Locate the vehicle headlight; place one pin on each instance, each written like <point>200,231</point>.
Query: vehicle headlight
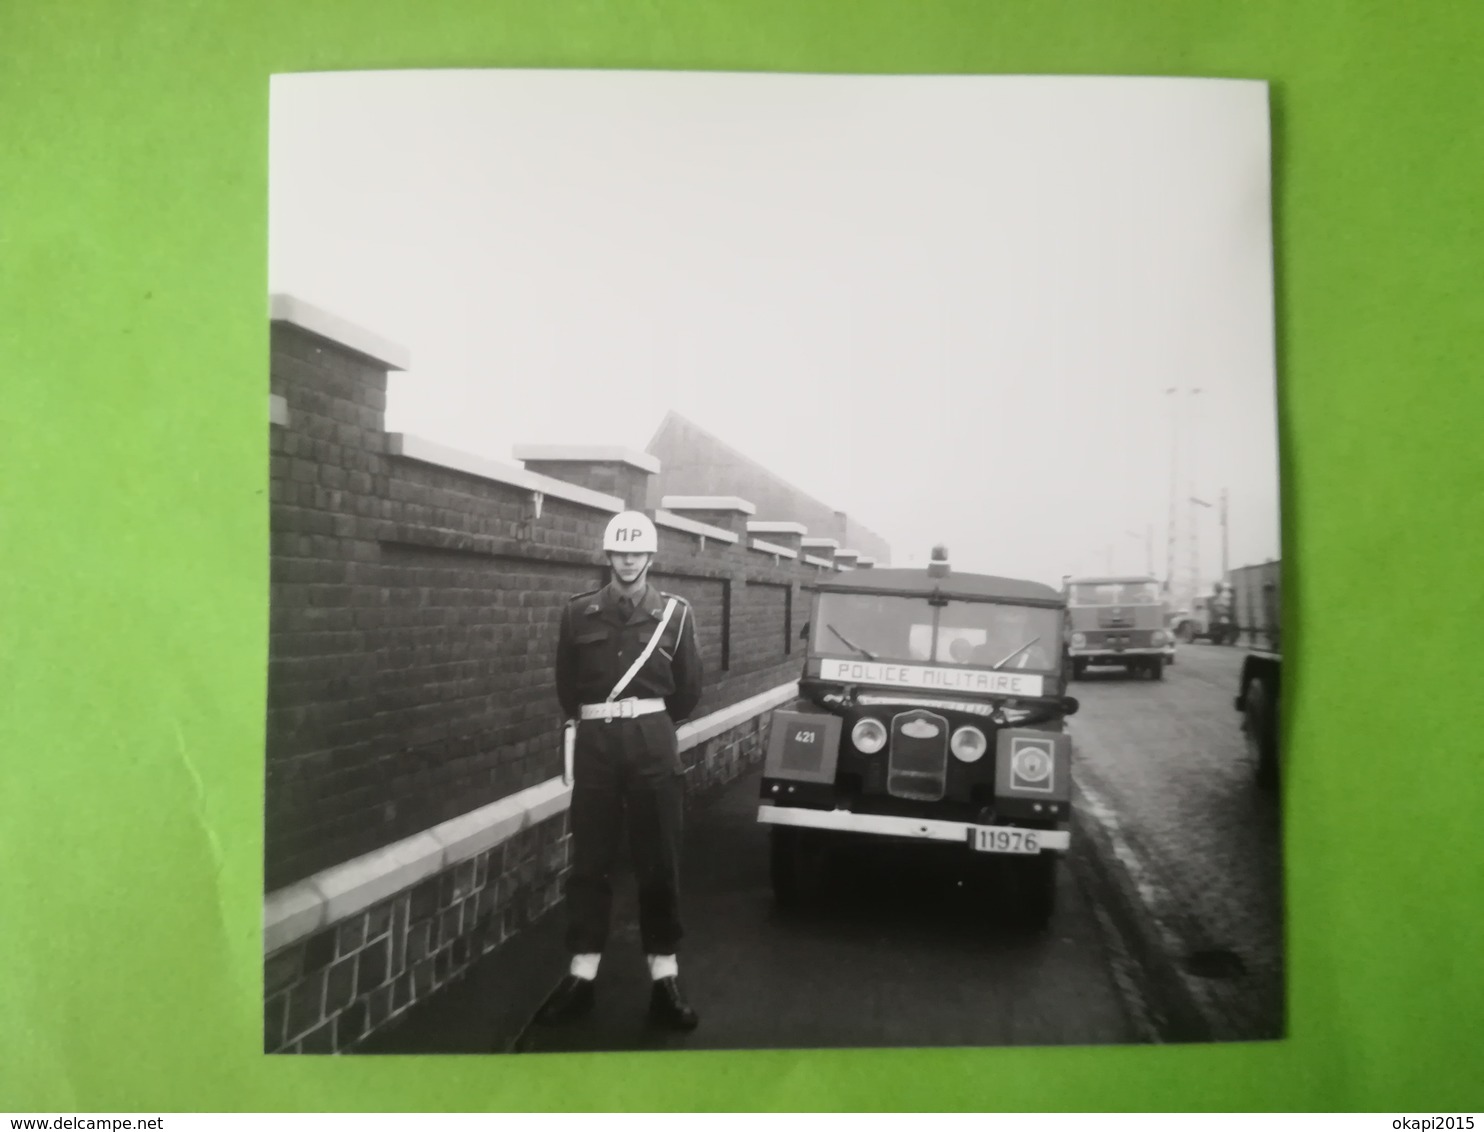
<point>868,735</point>
<point>1031,764</point>
<point>1079,640</point>
<point>1160,636</point>
<point>968,744</point>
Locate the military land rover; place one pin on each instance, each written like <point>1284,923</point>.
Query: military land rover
<point>932,708</point>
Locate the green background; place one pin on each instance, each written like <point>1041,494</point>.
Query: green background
<point>133,541</point>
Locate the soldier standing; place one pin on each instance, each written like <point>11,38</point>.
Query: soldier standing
<point>627,670</point>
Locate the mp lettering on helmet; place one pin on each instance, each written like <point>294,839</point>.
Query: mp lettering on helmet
<point>631,532</point>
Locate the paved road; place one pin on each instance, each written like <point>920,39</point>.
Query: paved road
<point>1163,767</point>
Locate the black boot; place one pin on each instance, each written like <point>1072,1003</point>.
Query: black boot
<point>667,1006</point>
<point>571,1000</point>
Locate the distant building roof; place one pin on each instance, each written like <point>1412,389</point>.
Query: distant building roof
<point>695,462</point>
<point>673,420</point>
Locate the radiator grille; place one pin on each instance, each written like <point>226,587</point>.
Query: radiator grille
<point>918,764</point>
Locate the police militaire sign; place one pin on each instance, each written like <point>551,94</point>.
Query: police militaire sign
<point>940,679</point>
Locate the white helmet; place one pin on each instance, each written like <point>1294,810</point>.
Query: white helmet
<point>631,532</point>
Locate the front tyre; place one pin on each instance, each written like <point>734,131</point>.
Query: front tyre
<point>795,864</point>
<point>1035,889</point>
<point>1157,668</point>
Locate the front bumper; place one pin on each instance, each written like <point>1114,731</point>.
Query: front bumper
<point>884,825</point>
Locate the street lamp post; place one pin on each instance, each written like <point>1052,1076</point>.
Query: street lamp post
<point>1195,545</point>
<point>1181,594</point>
<point>1225,565</point>
<point>1172,528</point>
<point>1191,478</point>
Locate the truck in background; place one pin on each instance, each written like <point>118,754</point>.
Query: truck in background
<point>1257,616</point>
<point>1118,621</point>
<point>1209,619</point>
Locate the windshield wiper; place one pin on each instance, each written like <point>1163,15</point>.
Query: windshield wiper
<point>867,653</point>
<point>1014,654</point>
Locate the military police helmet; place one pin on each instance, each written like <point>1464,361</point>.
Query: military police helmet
<point>631,532</point>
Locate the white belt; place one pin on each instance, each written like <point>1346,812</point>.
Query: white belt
<point>622,709</point>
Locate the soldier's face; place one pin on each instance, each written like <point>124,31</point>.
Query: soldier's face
<point>629,568</point>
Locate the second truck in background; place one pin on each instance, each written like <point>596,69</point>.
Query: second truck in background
<point>1256,613</point>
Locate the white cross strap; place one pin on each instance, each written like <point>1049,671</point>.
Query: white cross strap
<point>646,654</point>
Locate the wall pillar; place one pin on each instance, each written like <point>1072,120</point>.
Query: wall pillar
<point>613,471</point>
<point>725,511</point>
<point>780,533</point>
<point>821,548</point>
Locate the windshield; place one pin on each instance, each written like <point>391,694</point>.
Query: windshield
<point>1115,593</point>
<point>981,634</point>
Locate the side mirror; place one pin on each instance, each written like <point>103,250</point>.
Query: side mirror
<point>1069,705</point>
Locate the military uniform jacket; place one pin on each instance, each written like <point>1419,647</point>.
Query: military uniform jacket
<point>597,644</point>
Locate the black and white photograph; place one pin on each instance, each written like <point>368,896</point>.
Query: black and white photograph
<point>770,561</point>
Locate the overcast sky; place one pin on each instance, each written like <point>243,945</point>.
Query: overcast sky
<point>950,306</point>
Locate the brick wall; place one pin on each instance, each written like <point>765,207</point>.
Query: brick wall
<point>331,991</point>
<point>711,765</point>
<point>326,616</point>
<point>763,637</point>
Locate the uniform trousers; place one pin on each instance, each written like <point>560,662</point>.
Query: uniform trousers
<point>625,772</point>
